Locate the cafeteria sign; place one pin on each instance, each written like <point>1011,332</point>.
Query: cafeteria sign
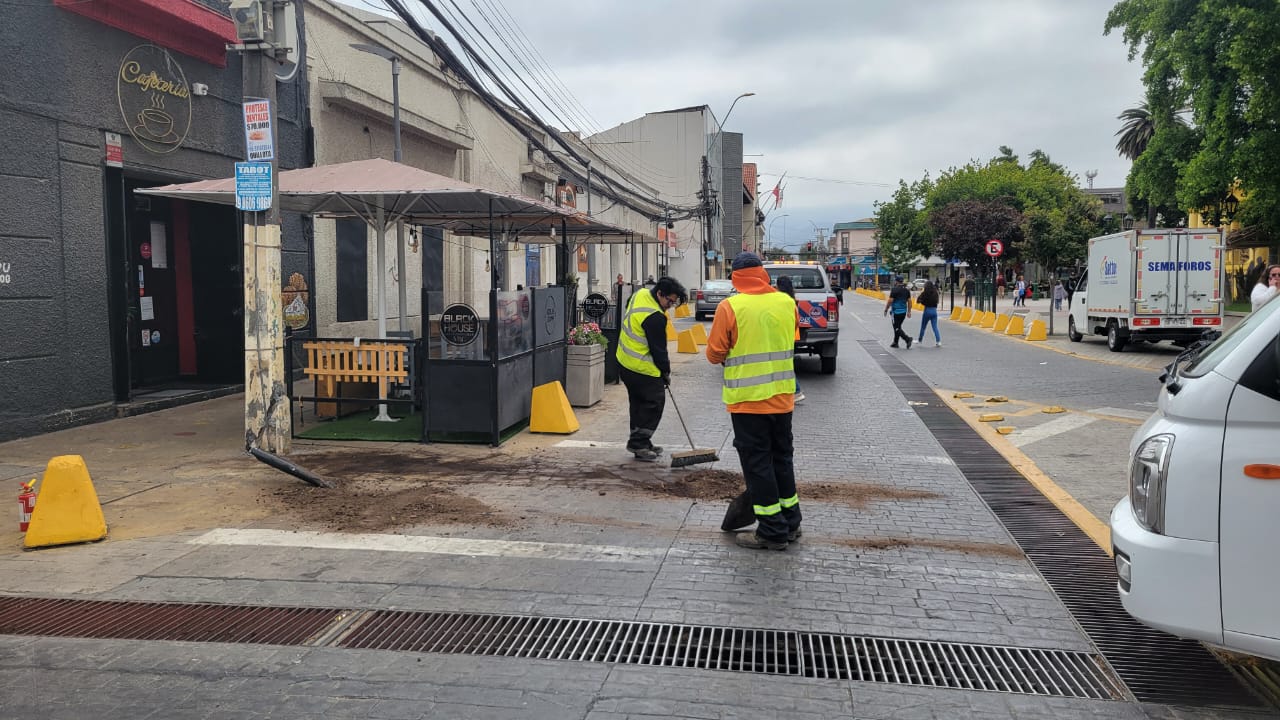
<point>258,141</point>
<point>155,100</point>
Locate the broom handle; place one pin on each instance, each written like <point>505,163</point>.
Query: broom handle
<point>677,407</point>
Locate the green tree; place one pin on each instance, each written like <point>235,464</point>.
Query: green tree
<point>1220,58</point>
<point>902,235</point>
<point>963,227</point>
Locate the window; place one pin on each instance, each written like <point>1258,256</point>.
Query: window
<point>352,270</point>
<point>802,277</point>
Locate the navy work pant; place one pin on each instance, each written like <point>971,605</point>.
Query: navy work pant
<point>647,398</point>
<point>765,449</point>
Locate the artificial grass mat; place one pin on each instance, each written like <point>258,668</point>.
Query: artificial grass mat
<point>360,426</point>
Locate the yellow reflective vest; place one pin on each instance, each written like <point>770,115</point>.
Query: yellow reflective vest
<point>760,364</point>
<point>633,347</point>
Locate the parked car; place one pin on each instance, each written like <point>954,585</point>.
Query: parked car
<point>819,310</point>
<point>707,297</point>
<point>918,283</point>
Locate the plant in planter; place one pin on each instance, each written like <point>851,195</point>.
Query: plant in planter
<point>584,368</point>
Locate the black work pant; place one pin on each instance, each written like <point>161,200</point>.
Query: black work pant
<point>646,397</point>
<point>765,449</point>
<point>898,319</point>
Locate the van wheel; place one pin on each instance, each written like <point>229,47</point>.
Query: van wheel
<point>1115,343</point>
<point>1072,334</point>
<point>828,365</point>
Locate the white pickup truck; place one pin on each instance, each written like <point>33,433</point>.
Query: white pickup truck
<point>1152,285</point>
<point>819,306</point>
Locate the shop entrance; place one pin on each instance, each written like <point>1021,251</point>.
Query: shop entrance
<point>177,303</point>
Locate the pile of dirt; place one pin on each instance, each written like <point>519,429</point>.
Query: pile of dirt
<point>858,495</point>
<point>969,548</point>
<point>703,485</point>
<point>377,504</point>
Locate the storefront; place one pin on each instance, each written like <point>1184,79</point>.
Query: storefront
<point>117,302</point>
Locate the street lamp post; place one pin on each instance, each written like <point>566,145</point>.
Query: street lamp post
<point>403,291</point>
<point>708,236</point>
<point>768,230</point>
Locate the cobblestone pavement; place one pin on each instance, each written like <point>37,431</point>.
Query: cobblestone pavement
<point>920,557</point>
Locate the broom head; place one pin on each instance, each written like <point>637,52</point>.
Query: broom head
<point>693,457</point>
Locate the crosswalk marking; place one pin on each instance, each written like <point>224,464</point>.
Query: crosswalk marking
<point>1122,412</point>
<point>1049,429</point>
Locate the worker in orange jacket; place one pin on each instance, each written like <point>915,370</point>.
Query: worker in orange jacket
<point>753,337</point>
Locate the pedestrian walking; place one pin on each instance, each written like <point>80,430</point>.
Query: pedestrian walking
<point>1267,288</point>
<point>969,287</point>
<point>900,303</point>
<point>1020,292</point>
<point>753,337</point>
<point>1059,294</point>
<point>929,299</point>
<point>645,368</point>
<point>1000,285</point>
<point>784,284</point>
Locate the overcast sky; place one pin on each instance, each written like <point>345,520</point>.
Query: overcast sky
<point>850,95</point>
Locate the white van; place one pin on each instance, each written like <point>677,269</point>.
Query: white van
<point>1152,285</point>
<point>1197,540</point>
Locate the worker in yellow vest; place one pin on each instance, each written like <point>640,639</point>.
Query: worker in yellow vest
<point>753,336</point>
<point>644,365</point>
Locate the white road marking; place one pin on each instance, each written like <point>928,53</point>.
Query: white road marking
<point>1121,412</point>
<point>433,545</point>
<point>1049,429</point>
<point>591,444</point>
<point>935,460</point>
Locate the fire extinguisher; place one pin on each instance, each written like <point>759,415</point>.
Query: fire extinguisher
<point>26,504</point>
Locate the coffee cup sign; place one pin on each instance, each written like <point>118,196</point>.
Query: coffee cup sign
<point>459,324</point>
<point>155,100</point>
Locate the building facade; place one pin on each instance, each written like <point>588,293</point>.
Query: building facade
<point>111,299</point>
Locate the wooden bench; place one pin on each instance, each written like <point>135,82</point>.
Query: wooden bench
<point>330,362</point>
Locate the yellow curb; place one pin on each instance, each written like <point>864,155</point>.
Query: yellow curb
<point>963,395</point>
<point>991,417</point>
<point>1097,530</point>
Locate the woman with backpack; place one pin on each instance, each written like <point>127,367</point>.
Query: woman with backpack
<point>929,299</point>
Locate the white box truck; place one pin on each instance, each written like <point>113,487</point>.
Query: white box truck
<point>1152,285</point>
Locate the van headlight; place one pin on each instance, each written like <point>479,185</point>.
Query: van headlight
<point>1147,474</point>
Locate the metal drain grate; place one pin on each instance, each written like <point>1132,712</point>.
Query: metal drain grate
<point>868,659</point>
<point>1156,667</point>
<point>162,621</point>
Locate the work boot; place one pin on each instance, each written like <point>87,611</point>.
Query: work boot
<point>794,535</point>
<point>646,455</point>
<point>656,448</point>
<point>753,541</point>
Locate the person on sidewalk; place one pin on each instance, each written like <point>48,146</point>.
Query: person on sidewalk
<point>1267,288</point>
<point>753,337</point>
<point>929,299</point>
<point>784,284</point>
<point>1059,294</point>
<point>1020,292</point>
<point>1000,285</point>
<point>644,366</point>
<point>900,302</point>
<point>969,287</point>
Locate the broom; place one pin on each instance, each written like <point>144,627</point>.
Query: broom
<point>694,455</point>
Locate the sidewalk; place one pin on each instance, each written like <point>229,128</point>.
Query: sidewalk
<point>897,546</point>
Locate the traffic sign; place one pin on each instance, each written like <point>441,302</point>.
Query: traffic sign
<point>253,186</point>
<point>995,248</point>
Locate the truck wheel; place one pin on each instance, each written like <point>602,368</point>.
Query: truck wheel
<point>1115,343</point>
<point>828,365</point>
<point>1072,334</point>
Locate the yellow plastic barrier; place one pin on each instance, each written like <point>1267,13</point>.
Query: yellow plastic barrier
<point>683,311</point>
<point>671,330</point>
<point>685,342</point>
<point>1015,326</point>
<point>551,412</point>
<point>977,318</point>
<point>966,314</point>
<point>699,333</point>
<point>1002,323</point>
<point>955,313</point>
<point>1037,331</point>
<point>988,320</point>
<point>67,509</point>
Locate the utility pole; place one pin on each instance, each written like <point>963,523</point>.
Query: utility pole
<point>705,196</point>
<point>267,417</point>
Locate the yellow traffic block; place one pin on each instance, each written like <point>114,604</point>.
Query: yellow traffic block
<point>1053,410</point>
<point>1002,323</point>
<point>671,330</point>
<point>1004,429</point>
<point>962,395</point>
<point>683,311</point>
<point>977,318</point>
<point>955,313</point>
<point>966,314</point>
<point>991,417</point>
<point>67,509</point>
<point>997,399</point>
<point>1037,331</point>
<point>988,320</point>
<point>699,333</point>
<point>685,343</point>
<point>917,307</point>
<point>1015,326</point>
<point>551,412</point>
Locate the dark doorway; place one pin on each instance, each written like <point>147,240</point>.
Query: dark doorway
<point>217,282</point>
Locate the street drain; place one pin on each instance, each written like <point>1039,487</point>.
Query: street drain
<point>813,655</point>
<point>162,621</point>
<point>1156,667</point>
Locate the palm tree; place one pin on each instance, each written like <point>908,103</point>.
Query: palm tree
<point>1136,132</point>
